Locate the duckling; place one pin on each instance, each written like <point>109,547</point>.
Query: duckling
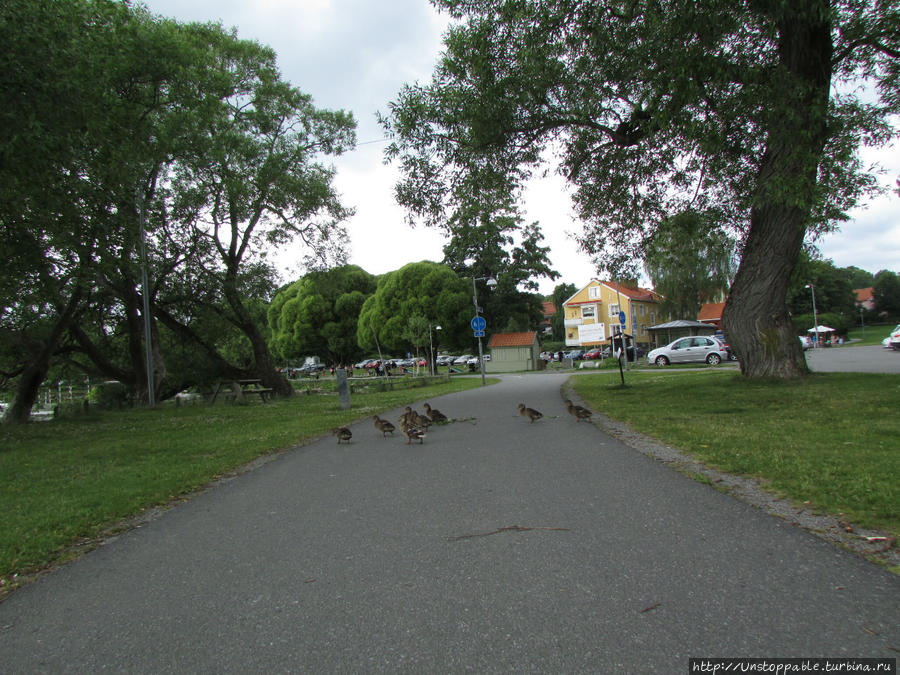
<point>383,426</point>
<point>436,415</point>
<point>577,411</point>
<point>530,413</point>
<point>420,421</point>
<point>412,431</point>
<point>342,434</point>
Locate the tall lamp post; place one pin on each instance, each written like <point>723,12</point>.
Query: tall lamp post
<point>431,345</point>
<point>492,283</point>
<point>815,314</point>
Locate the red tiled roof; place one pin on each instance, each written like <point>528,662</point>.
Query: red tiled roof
<point>863,294</point>
<point>513,339</point>
<point>711,311</point>
<point>635,293</point>
<point>549,309</point>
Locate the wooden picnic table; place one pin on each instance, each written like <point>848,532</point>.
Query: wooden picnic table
<point>237,390</point>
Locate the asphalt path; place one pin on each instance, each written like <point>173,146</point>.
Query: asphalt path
<point>852,359</point>
<point>497,546</point>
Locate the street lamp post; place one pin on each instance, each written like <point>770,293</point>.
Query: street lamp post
<point>492,283</point>
<point>431,345</point>
<point>815,314</point>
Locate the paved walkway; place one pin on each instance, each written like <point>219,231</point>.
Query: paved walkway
<point>497,546</point>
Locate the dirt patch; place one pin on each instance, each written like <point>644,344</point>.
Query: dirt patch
<point>874,545</point>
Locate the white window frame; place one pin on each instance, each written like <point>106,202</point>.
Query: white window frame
<point>594,292</point>
<point>591,312</point>
<point>614,310</point>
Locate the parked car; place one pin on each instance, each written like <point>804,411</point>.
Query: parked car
<point>462,360</point>
<point>444,360</point>
<point>894,338</point>
<point>595,353</point>
<point>575,354</point>
<point>695,349</point>
<point>805,342</point>
<point>634,353</point>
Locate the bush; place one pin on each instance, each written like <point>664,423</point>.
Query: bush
<point>108,395</point>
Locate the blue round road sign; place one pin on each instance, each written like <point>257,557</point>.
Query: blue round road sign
<point>478,323</point>
<point>622,318</point>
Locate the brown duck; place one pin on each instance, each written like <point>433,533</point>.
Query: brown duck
<point>530,413</point>
<point>577,411</point>
<point>436,415</point>
<point>342,434</point>
<point>383,426</point>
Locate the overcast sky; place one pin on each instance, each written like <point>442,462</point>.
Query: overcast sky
<point>357,54</point>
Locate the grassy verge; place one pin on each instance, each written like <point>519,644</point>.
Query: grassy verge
<point>68,480</point>
<point>830,439</point>
<point>870,335</point>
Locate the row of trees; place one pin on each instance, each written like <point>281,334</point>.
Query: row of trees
<point>145,162</point>
<point>149,168</point>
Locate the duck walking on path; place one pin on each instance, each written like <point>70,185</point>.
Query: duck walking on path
<point>383,426</point>
<point>577,411</point>
<point>342,434</point>
<point>436,415</point>
<point>530,413</point>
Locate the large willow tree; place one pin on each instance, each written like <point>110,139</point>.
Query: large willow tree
<point>654,107</point>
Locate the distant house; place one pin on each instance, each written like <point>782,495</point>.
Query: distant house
<point>592,313</point>
<point>865,298</point>
<point>711,313</point>
<point>549,310</point>
<point>514,351</point>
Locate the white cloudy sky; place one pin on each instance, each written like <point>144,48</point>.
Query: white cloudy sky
<point>356,54</point>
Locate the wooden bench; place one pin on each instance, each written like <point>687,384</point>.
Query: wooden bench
<point>237,390</point>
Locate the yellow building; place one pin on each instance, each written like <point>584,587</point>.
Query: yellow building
<point>592,314</point>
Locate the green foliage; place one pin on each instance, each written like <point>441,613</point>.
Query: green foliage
<point>842,323</point>
<point>498,245</point>
<point>887,294</point>
<point>832,286</point>
<point>561,293</point>
<point>108,108</point>
<point>690,260</point>
<point>318,315</point>
<point>108,395</point>
<point>425,290</point>
<point>654,108</point>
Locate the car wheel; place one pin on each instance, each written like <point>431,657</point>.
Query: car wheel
<point>661,361</point>
<point>714,359</point>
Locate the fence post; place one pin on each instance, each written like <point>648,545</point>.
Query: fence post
<point>343,389</point>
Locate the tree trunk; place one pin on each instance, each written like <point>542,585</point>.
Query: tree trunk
<point>264,365</point>
<point>756,319</point>
<point>35,371</point>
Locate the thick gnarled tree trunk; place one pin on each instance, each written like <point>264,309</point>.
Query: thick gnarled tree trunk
<point>756,318</point>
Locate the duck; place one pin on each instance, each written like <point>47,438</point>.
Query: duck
<point>436,415</point>
<point>577,411</point>
<point>342,434</point>
<point>412,432</point>
<point>421,421</point>
<point>383,426</point>
<point>530,413</point>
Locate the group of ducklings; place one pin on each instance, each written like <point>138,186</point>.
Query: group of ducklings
<point>577,411</point>
<point>414,425</point>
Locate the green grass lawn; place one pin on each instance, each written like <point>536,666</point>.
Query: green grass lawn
<point>829,439</point>
<point>68,480</point>
<point>870,335</point>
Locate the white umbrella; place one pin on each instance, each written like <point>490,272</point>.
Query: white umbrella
<point>821,329</point>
